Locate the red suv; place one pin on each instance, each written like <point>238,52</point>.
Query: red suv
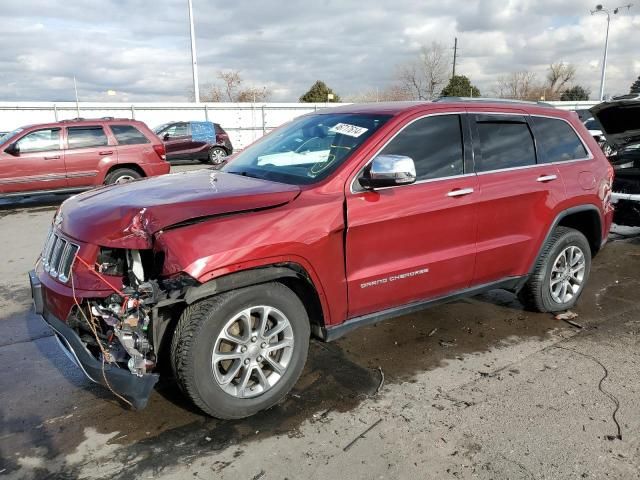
<point>341,218</point>
<point>74,155</point>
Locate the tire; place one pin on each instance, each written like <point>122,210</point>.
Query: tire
<point>200,339</point>
<point>216,155</point>
<point>121,175</point>
<point>539,294</point>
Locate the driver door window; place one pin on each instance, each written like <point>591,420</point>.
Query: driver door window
<point>40,141</point>
<point>435,145</point>
<point>177,130</point>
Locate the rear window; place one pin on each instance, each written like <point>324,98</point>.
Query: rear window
<point>557,141</point>
<point>85,137</point>
<point>504,144</point>
<point>128,135</point>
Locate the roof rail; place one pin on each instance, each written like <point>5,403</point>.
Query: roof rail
<point>492,100</point>
<point>82,119</point>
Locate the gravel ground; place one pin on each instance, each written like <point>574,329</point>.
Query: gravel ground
<point>473,389</point>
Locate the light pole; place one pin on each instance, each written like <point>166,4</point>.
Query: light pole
<point>601,9</point>
<point>194,63</point>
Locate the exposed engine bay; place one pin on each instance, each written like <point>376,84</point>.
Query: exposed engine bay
<point>118,329</point>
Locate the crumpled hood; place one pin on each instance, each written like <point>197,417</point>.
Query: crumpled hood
<point>620,120</point>
<point>127,216</point>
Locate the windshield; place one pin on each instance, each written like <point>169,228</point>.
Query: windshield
<point>308,149</point>
<point>7,136</point>
<point>159,128</point>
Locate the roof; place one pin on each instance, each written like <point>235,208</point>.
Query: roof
<point>395,108</point>
<point>79,121</point>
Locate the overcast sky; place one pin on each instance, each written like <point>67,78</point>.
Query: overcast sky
<point>141,49</point>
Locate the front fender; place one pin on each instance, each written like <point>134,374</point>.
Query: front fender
<point>259,271</point>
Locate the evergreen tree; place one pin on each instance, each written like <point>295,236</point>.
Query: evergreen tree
<point>460,86</point>
<point>318,93</point>
<point>635,88</point>
<point>575,93</point>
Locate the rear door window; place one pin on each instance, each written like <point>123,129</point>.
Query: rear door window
<point>86,137</point>
<point>557,141</point>
<point>128,135</point>
<point>435,145</point>
<point>503,143</point>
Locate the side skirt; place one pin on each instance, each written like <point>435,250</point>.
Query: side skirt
<point>58,191</point>
<point>332,333</point>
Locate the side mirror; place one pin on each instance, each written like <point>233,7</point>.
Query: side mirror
<point>166,137</point>
<point>388,171</point>
<point>13,149</point>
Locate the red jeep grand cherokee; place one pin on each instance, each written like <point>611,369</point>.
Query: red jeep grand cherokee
<point>74,155</point>
<point>341,218</point>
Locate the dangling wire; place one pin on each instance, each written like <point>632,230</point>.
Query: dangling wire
<point>93,326</point>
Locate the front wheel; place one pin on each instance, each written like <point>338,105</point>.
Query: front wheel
<point>560,273</point>
<point>241,351</point>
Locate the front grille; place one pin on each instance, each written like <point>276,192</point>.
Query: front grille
<point>58,256</point>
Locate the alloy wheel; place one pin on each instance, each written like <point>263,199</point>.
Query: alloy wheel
<point>567,274</point>
<point>252,351</point>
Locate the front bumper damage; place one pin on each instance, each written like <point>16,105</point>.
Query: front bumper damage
<point>134,388</point>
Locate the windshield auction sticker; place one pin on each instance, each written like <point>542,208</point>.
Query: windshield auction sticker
<point>347,129</point>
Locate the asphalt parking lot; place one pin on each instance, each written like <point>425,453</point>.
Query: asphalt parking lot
<point>479,388</point>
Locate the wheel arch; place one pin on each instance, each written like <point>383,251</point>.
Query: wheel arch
<point>131,166</point>
<point>584,218</point>
<point>291,274</point>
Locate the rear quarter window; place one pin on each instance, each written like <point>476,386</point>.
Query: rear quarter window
<point>557,141</point>
<point>128,135</point>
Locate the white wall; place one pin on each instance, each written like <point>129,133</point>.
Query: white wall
<point>245,122</point>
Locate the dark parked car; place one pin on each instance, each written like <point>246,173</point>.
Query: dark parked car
<point>389,208</point>
<point>620,121</point>
<point>74,155</point>
<point>204,141</point>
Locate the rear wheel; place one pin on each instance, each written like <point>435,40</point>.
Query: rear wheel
<point>560,273</point>
<point>241,351</point>
<point>121,175</point>
<point>217,155</point>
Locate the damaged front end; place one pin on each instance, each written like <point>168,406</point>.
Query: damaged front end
<point>114,338</point>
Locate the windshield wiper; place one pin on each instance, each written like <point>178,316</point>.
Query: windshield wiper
<point>244,173</point>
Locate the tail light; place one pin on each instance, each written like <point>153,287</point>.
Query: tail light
<point>222,136</point>
<point>161,151</point>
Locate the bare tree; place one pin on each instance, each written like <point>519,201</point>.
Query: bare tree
<point>424,77</point>
<point>211,93</point>
<point>229,88</point>
<point>253,94</point>
<point>231,81</point>
<point>559,76</point>
<point>517,85</point>
<point>391,93</point>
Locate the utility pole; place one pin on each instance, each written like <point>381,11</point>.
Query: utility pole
<point>75,88</point>
<point>194,63</point>
<point>455,56</point>
<point>601,9</point>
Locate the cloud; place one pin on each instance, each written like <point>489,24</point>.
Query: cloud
<point>141,49</point>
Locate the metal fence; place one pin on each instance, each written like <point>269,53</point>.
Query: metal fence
<point>245,122</point>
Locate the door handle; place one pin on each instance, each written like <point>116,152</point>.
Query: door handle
<point>109,152</point>
<point>460,192</point>
<point>53,157</point>
<point>546,178</point>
